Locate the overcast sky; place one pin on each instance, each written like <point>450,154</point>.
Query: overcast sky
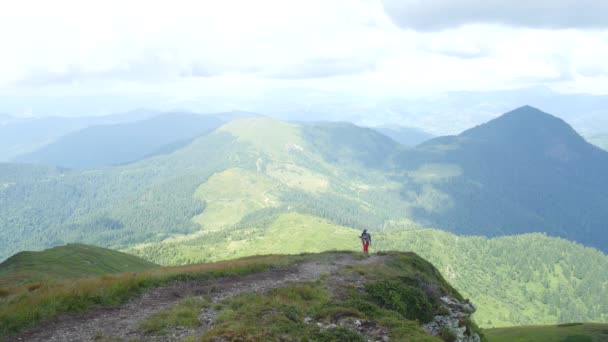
<point>183,49</point>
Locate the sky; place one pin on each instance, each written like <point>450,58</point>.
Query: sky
<point>182,49</point>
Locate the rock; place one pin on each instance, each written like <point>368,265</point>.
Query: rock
<point>455,311</point>
<point>385,338</point>
<point>307,320</point>
<point>320,325</point>
<point>331,326</point>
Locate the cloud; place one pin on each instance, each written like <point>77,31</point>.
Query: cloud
<point>323,68</point>
<point>148,68</point>
<point>433,15</point>
<point>592,71</point>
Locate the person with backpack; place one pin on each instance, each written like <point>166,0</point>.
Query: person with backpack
<point>366,239</point>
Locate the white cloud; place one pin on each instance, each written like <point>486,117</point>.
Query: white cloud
<point>550,14</point>
<point>186,48</point>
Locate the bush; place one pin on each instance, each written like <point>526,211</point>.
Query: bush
<point>409,301</point>
<point>337,334</point>
<point>447,335</point>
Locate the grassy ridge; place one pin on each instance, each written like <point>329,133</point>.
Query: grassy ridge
<point>518,280</point>
<point>573,332</point>
<point>303,311</point>
<point>70,261</point>
<point>24,306</point>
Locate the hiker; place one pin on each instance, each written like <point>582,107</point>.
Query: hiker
<point>366,238</point>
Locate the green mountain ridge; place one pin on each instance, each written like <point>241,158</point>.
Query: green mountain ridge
<point>569,332</point>
<point>551,278</point>
<point>70,261</point>
<point>309,296</point>
<point>250,184</point>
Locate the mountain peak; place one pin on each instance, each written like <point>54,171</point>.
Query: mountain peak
<point>525,121</point>
<point>527,110</point>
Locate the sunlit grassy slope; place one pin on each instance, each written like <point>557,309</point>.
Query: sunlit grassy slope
<point>523,279</point>
<point>574,332</point>
<point>24,306</point>
<point>273,315</point>
<point>70,261</point>
<point>264,185</point>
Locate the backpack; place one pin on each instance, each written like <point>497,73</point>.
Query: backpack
<point>366,237</point>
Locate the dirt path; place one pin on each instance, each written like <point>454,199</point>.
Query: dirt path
<point>123,322</point>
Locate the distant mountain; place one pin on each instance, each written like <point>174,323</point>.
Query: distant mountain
<point>70,261</point>
<point>24,135</point>
<point>523,172</point>
<point>526,171</point>
<point>407,136</point>
<point>263,185</point>
<point>123,143</point>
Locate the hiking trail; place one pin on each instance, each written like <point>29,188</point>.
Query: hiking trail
<point>124,322</point>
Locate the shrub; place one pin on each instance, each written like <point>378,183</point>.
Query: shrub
<point>447,335</point>
<point>337,334</point>
<point>409,301</point>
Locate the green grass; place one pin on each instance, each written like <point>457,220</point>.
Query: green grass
<point>23,306</point>
<point>516,280</point>
<point>232,194</point>
<point>280,314</point>
<point>70,261</point>
<point>588,332</point>
<point>274,315</point>
<point>184,314</point>
<point>289,233</point>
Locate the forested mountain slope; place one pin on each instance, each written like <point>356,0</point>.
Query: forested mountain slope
<point>526,171</point>
<point>256,182</point>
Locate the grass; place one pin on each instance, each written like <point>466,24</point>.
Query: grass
<point>275,315</point>
<point>280,314</point>
<point>70,261</point>
<point>232,194</point>
<point>289,233</point>
<point>22,308</point>
<point>572,332</point>
<point>184,314</point>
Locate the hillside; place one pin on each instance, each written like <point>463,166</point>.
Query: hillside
<point>329,296</point>
<point>122,143</point>
<point>526,171</point>
<point>20,136</point>
<point>407,136</point>
<point>569,332</point>
<point>551,278</point>
<point>70,261</point>
<point>256,183</point>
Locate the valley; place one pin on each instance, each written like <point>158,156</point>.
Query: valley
<point>262,186</point>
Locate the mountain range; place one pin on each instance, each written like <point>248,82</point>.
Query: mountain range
<point>122,143</point>
<point>257,185</point>
<point>526,171</point>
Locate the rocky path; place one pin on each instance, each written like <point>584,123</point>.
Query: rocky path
<point>123,322</point>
